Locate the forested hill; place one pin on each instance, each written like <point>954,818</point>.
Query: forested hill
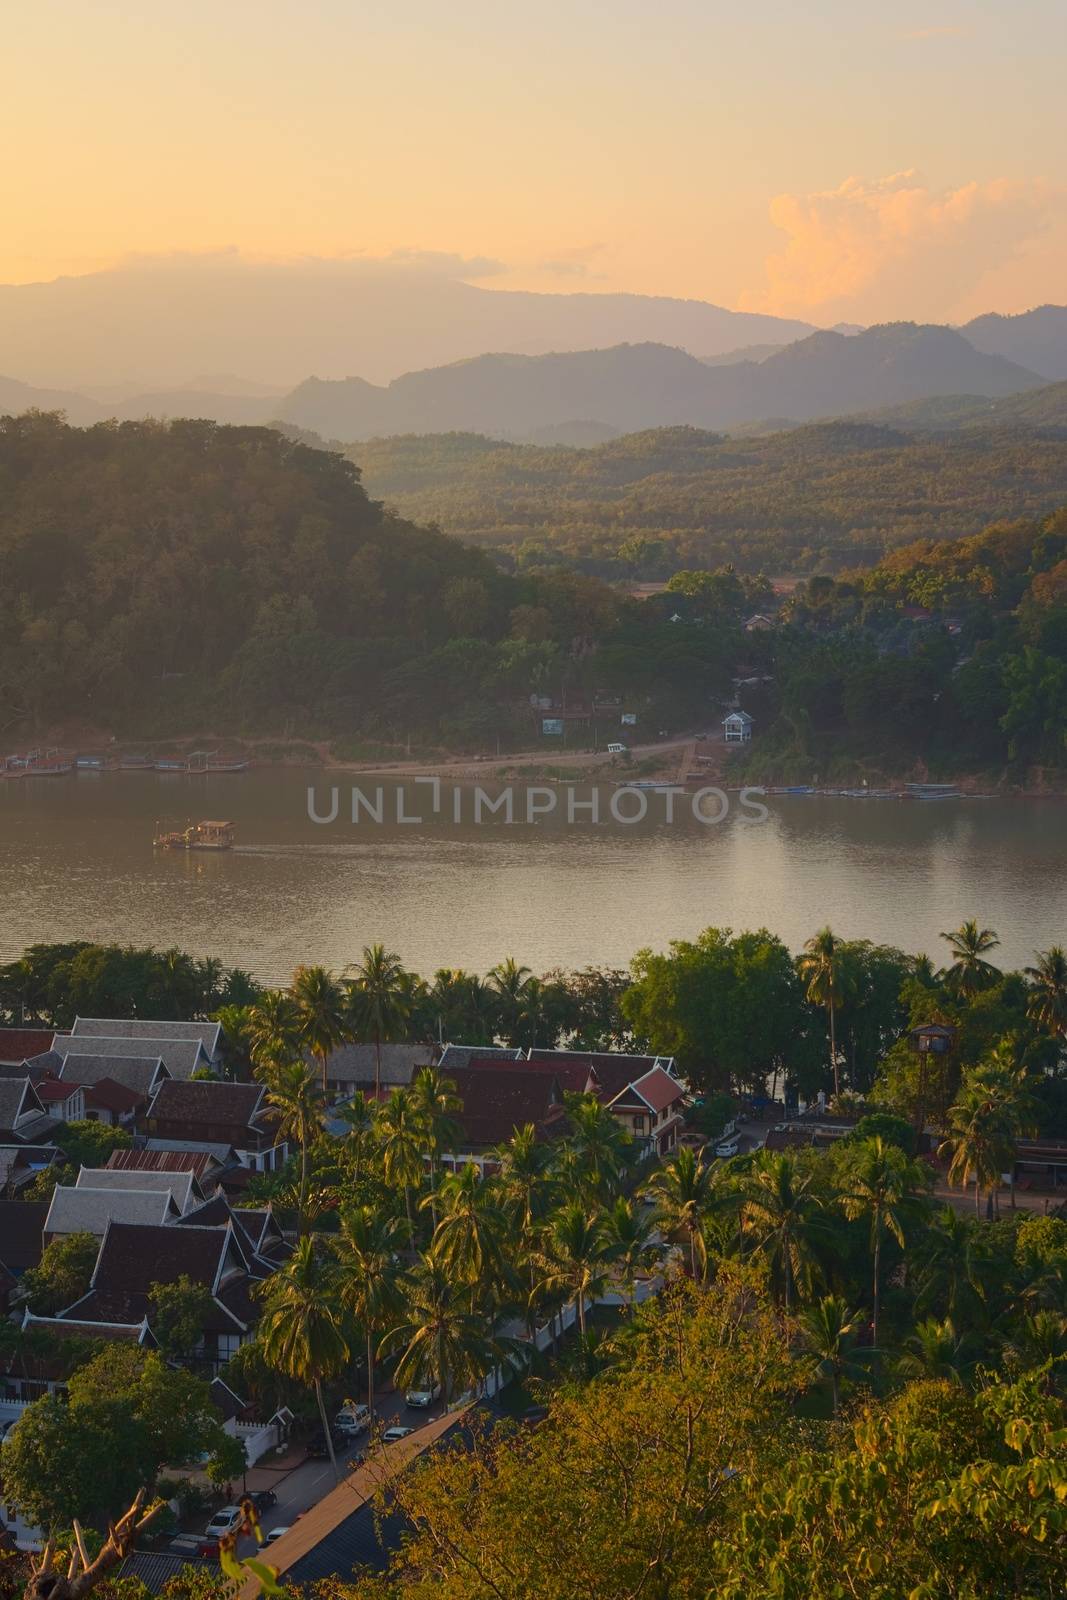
<point>829,494</point>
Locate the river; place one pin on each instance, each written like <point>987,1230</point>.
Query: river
<point>76,862</point>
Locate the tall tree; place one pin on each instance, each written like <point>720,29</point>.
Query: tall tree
<point>369,1281</point>
<point>829,1330</point>
<point>782,1209</point>
<point>440,1337</point>
<point>322,1014</point>
<point>969,971</point>
<point>296,1101</point>
<point>470,1239</point>
<point>686,1192</point>
<point>379,1000</point>
<point>273,1031</point>
<point>436,1104</point>
<point>302,1331</point>
<point>882,1185</point>
<point>1047,1000</point>
<point>400,1136</point>
<point>821,967</point>
<point>574,1255</point>
<point>630,1232</point>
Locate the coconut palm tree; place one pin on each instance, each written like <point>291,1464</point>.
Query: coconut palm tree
<point>821,967</point>
<point>302,1331</point>
<point>934,1351</point>
<point>630,1234</point>
<point>234,1021</point>
<point>379,1000</point>
<point>882,1185</point>
<point>524,1179</point>
<point>685,1193</point>
<point>320,1006</point>
<point>440,1337</point>
<point>509,981</point>
<point>296,1101</point>
<point>1047,1000</point>
<point>784,1213</point>
<point>574,1257</point>
<point>1039,1339</point>
<point>469,1241</point>
<point>992,1108</point>
<point>949,1276</point>
<point>969,970</point>
<point>273,1031</point>
<point>600,1148</point>
<point>436,1105</point>
<point>829,1331</point>
<point>359,1117</point>
<point>401,1141</point>
<point>369,1279</point>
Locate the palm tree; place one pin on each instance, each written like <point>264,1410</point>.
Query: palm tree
<point>524,1178</point>
<point>630,1232</point>
<point>934,1351</point>
<point>1039,1339</point>
<point>949,1275</point>
<point>970,971</point>
<point>782,1210</point>
<point>436,1104</point>
<point>400,1133</point>
<point>296,1101</point>
<point>320,1005</point>
<point>829,1330</point>
<point>574,1256</point>
<point>822,967</point>
<point>273,1030</point>
<point>441,1339</point>
<point>379,1000</point>
<point>601,1148</point>
<point>369,1278</point>
<point>302,1331</point>
<point>882,1186</point>
<point>469,1241</point>
<point>1047,1000</point>
<point>509,980</point>
<point>685,1194</point>
<point>234,1021</point>
<point>992,1108</point>
<point>358,1115</point>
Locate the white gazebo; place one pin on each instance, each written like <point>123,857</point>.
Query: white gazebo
<point>737,727</point>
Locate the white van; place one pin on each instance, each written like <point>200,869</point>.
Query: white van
<point>617,750</point>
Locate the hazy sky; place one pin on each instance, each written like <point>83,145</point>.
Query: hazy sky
<point>826,160</point>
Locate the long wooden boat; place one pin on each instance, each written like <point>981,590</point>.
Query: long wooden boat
<point>196,836</point>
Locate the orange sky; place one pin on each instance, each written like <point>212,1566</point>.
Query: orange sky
<point>804,161</point>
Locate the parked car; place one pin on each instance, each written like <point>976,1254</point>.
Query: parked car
<point>224,1522</point>
<point>263,1499</point>
<point>424,1397</point>
<point>274,1534</point>
<point>391,1435</point>
<point>727,1148</point>
<point>319,1450</point>
<point>352,1419</point>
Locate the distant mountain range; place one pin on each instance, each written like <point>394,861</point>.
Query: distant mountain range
<point>586,396</point>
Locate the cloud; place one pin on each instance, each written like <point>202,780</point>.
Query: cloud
<point>868,248</point>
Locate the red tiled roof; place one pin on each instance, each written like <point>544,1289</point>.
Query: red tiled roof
<point>571,1075</point>
<point>18,1044</point>
<point>496,1104</point>
<point>658,1089</point>
<point>54,1091</point>
<point>615,1072</point>
<point>112,1096</point>
<point>204,1103</point>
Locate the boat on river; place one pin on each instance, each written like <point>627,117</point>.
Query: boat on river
<point>195,836</point>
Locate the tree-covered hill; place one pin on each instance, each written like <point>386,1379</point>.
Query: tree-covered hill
<point>827,495</point>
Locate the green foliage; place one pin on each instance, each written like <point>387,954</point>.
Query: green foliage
<point>62,1274</point>
<point>89,1144</point>
<point>57,982</point>
<point>179,1312</point>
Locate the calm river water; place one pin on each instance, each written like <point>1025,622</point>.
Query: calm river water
<point>76,861</point>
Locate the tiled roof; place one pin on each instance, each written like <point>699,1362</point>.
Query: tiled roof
<point>615,1071</point>
<point>221,1154</point>
<point>181,1057</point>
<point>138,1028</point>
<point>17,1044</point>
<point>179,1185</point>
<point>138,1073</point>
<point>155,1568</point>
<point>132,1258</point>
<point>657,1089</point>
<point>571,1076</point>
<point>84,1210</point>
<point>21,1227</point>
<point>69,1328</point>
<point>206,1104</point>
<point>17,1098</point>
<point>461,1055</point>
<point>114,1097</point>
<point>52,1091</point>
<point>198,1162</point>
<point>496,1104</point>
<point>355,1063</point>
